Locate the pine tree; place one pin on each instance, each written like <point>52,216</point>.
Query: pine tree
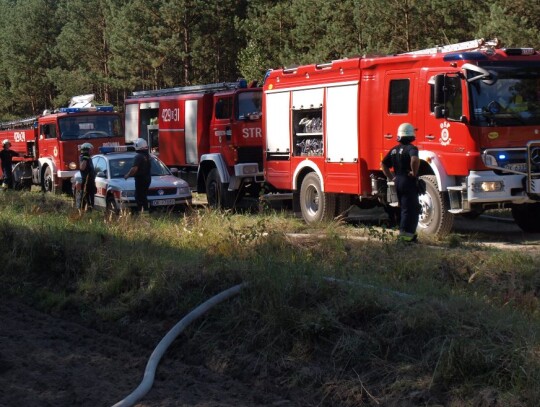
<point>28,33</point>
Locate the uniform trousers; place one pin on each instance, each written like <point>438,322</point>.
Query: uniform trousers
<point>407,192</point>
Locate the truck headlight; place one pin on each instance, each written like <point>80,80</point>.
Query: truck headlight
<point>488,186</point>
<point>72,166</point>
<point>250,169</point>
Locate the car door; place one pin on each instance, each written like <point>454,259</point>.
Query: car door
<point>400,88</point>
<point>100,167</point>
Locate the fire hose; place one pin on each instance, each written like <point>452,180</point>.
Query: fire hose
<point>149,373</point>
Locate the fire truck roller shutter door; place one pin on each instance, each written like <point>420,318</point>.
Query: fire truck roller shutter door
<point>192,154</point>
<point>342,123</point>
<point>132,122</point>
<point>308,99</point>
<point>278,134</point>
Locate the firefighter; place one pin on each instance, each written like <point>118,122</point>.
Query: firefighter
<point>6,157</point>
<point>88,178</point>
<point>141,171</point>
<point>403,158</point>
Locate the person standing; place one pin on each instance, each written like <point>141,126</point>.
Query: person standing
<point>6,157</point>
<point>141,170</point>
<point>88,178</point>
<point>403,158</point>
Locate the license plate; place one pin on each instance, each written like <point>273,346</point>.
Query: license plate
<point>517,167</point>
<point>163,202</point>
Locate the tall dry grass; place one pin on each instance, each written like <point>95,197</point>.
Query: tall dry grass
<point>343,313</point>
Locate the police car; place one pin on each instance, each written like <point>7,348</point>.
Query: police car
<point>115,193</point>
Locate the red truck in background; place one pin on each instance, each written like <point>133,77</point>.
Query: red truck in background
<point>48,144</point>
<point>476,110</point>
<point>211,133</point>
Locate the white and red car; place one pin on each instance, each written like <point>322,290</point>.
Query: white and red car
<point>114,193</point>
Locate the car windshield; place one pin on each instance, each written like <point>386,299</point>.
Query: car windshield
<point>511,97</point>
<point>120,166</point>
<point>90,126</point>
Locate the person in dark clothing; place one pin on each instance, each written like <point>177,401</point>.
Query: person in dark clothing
<point>403,158</point>
<point>88,176</point>
<point>6,157</point>
<point>141,170</point>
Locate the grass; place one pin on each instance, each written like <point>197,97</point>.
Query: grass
<point>335,314</point>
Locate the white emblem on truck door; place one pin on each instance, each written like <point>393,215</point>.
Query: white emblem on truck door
<point>445,134</point>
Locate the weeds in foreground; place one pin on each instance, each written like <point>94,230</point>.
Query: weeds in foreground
<point>353,321</point>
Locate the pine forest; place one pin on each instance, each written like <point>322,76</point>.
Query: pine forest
<point>54,49</point>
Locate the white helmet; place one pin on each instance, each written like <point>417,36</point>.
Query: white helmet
<point>86,147</point>
<point>405,133</point>
<point>140,144</point>
<point>5,142</point>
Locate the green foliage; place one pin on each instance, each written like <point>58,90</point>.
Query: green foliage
<point>53,50</point>
<point>27,35</point>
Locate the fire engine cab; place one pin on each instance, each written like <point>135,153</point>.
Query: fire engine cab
<point>211,133</point>
<point>48,145</point>
<point>476,110</point>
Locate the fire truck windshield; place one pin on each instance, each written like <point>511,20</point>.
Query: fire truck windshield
<point>249,105</point>
<point>90,127</point>
<point>510,98</point>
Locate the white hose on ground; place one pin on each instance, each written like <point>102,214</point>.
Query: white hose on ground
<point>151,366</point>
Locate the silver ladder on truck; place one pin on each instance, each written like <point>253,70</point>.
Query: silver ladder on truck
<point>460,46</point>
<point>212,87</point>
<point>19,123</point>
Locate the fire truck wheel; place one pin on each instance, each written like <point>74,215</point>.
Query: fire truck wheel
<point>47,184</point>
<point>216,191</point>
<point>527,217</point>
<point>316,205</point>
<point>434,217</point>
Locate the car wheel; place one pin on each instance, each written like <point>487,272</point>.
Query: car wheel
<point>112,207</point>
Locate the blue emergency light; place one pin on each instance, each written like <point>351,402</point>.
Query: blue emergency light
<point>86,109</point>
<point>465,56</point>
<point>115,149</point>
<point>105,108</point>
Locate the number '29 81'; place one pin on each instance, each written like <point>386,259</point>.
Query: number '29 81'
<point>170,115</point>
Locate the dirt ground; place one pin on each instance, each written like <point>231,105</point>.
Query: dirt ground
<point>48,361</point>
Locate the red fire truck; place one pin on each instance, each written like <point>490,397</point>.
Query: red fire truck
<point>210,133</point>
<point>48,144</point>
<point>476,110</point>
